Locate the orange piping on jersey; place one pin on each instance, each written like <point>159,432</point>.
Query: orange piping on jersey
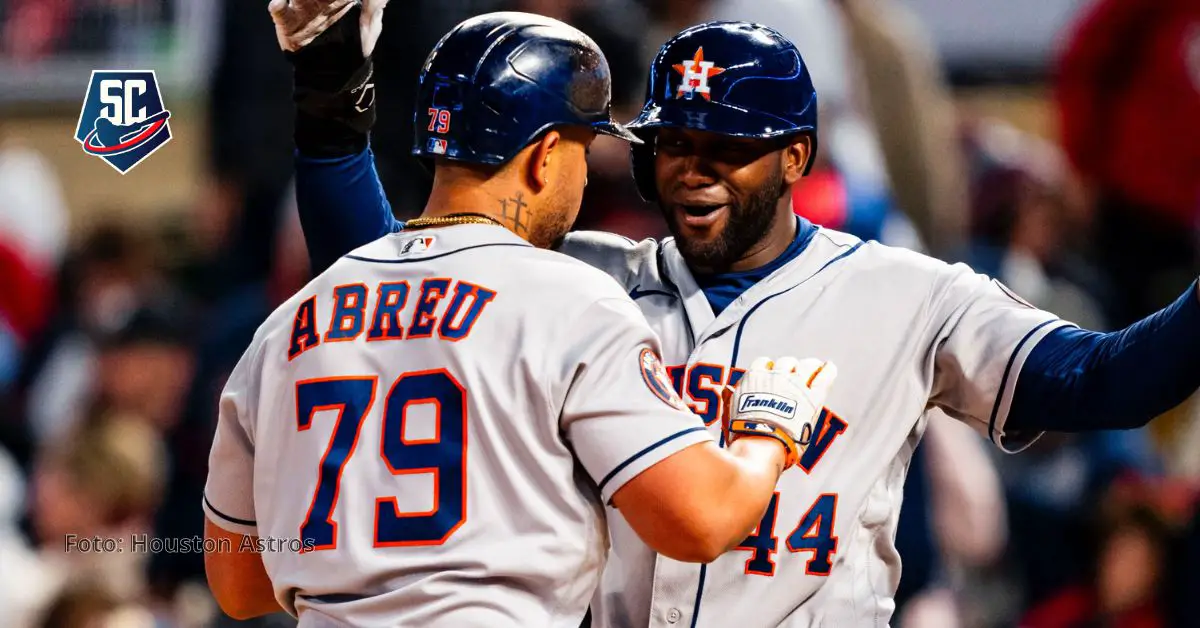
<point>735,371</point>
<point>809,534</point>
<point>427,302</point>
<point>714,385</point>
<point>771,552</point>
<point>436,473</point>
<point>473,291</point>
<point>342,305</point>
<point>392,313</point>
<point>379,501</point>
<point>337,483</point>
<point>309,307</point>
<point>437,426</point>
<point>678,375</point>
<point>826,423</point>
<point>734,375</point>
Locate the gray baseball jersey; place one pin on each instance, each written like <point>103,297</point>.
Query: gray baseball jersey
<point>425,434</point>
<point>907,333</point>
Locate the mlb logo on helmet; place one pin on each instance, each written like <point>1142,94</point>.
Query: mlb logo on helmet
<point>696,72</point>
<point>123,119</point>
<point>437,146</point>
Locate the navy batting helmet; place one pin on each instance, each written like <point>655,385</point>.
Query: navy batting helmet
<point>732,78</point>
<point>497,81</point>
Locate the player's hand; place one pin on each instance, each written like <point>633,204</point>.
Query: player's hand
<point>299,22</point>
<point>329,44</point>
<point>781,399</point>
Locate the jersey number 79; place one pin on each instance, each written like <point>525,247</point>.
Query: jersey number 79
<point>444,455</point>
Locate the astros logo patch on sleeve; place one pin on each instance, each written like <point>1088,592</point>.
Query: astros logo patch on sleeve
<point>657,380</point>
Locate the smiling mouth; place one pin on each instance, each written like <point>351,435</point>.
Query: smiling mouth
<point>700,216</point>
<point>700,210</point>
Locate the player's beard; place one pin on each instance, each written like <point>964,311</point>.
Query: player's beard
<point>748,223</point>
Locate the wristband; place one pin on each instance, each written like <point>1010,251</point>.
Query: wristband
<point>334,91</point>
<point>336,124</point>
<point>739,428</point>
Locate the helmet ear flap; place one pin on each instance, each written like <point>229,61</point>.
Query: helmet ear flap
<point>642,163</point>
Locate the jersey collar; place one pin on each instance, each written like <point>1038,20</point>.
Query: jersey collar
<point>823,247</point>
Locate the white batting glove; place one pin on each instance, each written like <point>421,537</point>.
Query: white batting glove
<point>781,399</point>
<point>299,22</point>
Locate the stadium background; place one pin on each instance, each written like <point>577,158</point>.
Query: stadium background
<point>1052,143</point>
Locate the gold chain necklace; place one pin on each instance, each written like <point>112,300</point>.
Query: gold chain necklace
<point>445,221</point>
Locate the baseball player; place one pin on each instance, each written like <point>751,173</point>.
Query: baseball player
<point>427,433</point>
<point>729,126</point>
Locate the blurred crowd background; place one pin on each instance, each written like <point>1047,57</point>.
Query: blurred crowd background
<point>1054,144</point>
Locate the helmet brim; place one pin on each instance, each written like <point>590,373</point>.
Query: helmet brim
<point>617,130</point>
<point>715,118</point>
<point>721,119</point>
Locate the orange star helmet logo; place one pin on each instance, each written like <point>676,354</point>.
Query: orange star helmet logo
<point>696,72</point>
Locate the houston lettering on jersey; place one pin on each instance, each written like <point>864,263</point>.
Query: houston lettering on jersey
<point>392,316</point>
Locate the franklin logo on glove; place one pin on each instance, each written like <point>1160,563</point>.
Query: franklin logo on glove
<point>788,396</point>
<point>774,404</point>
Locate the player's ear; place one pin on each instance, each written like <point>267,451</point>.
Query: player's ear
<point>538,172</point>
<point>795,157</point>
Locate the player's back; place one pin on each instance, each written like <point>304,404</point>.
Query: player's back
<point>407,429</point>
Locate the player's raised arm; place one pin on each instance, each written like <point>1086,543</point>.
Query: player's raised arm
<point>654,460</point>
<point>1020,371</point>
<point>338,193</point>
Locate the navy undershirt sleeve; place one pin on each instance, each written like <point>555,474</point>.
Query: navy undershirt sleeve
<point>341,205</point>
<point>1076,380</point>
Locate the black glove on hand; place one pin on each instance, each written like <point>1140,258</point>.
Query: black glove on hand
<point>334,90</point>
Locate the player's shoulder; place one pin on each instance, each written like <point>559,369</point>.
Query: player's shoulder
<point>585,243</point>
<point>618,256</point>
<point>584,296</point>
<point>502,260</point>
<point>280,320</point>
<point>570,276</point>
<point>274,330</point>
<point>874,266</point>
<point>869,255</point>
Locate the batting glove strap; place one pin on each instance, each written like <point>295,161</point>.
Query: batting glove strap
<point>740,428</point>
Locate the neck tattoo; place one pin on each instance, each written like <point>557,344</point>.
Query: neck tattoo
<point>511,208</point>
